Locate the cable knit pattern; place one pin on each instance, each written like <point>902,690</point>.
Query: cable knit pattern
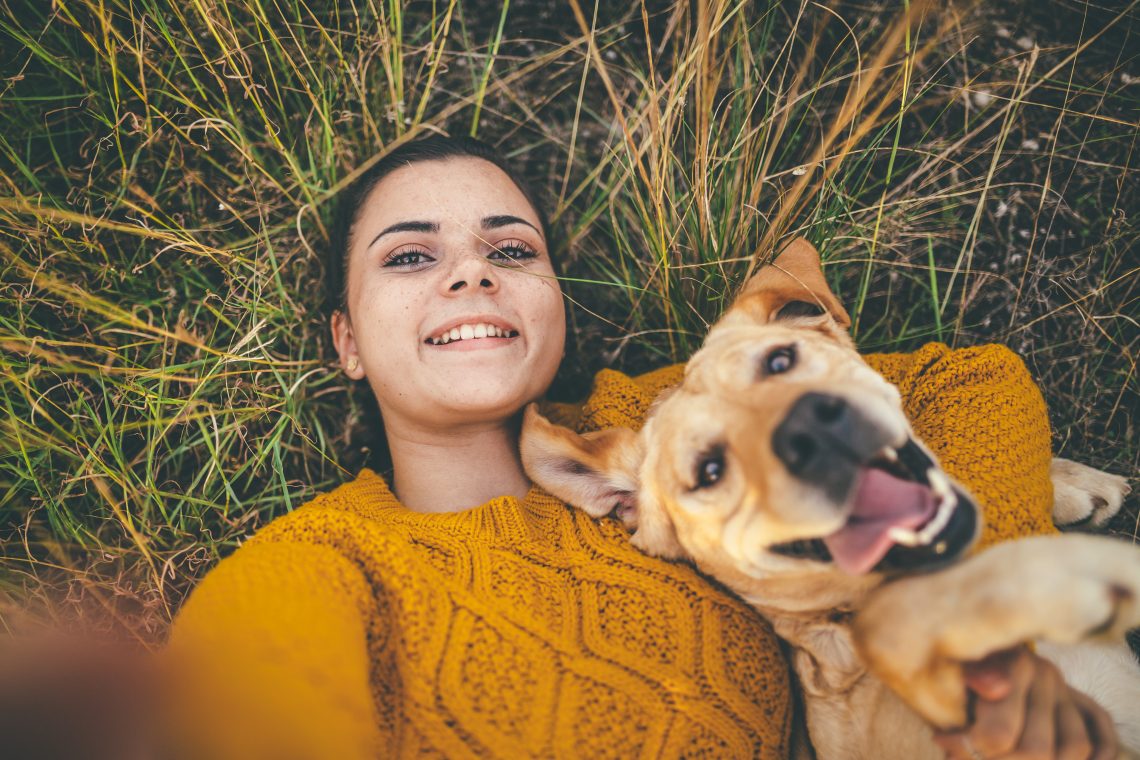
<point>355,628</point>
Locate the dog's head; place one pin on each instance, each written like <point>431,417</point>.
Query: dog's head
<point>781,455</point>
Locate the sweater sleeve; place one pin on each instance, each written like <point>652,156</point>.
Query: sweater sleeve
<point>981,413</point>
<point>269,659</point>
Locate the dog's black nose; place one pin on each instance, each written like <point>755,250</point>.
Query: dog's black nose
<point>823,440</point>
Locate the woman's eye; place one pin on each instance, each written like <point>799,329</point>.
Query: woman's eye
<point>780,360</point>
<point>513,250</point>
<point>407,258</point>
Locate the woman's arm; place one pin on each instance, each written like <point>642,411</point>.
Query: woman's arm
<point>269,659</point>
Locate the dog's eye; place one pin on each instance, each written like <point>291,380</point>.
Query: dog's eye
<point>710,468</point>
<point>780,360</point>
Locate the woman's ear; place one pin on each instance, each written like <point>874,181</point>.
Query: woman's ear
<point>345,342</point>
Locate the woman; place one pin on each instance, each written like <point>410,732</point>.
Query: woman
<point>456,611</point>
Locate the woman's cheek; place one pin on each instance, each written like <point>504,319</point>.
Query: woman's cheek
<point>554,318</point>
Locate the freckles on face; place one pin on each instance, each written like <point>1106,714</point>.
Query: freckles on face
<point>456,313</point>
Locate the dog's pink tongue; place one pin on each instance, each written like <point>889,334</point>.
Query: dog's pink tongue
<point>882,502</point>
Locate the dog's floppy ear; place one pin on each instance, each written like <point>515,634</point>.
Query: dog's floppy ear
<point>791,287</point>
<point>596,472</point>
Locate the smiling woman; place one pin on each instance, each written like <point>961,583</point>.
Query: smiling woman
<point>454,609</point>
<point>451,311</point>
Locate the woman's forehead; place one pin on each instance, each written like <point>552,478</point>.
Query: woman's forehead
<point>459,189</point>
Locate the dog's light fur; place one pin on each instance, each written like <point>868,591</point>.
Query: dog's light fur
<point>1083,496</point>
<point>844,629</point>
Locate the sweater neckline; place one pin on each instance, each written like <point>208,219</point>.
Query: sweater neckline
<point>503,517</point>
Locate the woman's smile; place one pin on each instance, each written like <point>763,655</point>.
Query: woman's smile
<point>475,332</point>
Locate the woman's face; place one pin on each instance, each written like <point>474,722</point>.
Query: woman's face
<point>454,313</point>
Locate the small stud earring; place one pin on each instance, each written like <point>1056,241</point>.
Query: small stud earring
<point>353,364</point>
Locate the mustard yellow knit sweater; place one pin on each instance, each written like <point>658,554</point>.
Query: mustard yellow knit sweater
<point>356,628</point>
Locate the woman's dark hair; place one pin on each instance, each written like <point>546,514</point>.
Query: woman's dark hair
<point>431,148</point>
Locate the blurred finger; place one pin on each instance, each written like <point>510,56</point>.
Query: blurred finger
<point>957,746</point>
<point>1039,736</point>
<point>998,725</point>
<point>1073,740</point>
<point>1101,729</point>
<point>991,678</point>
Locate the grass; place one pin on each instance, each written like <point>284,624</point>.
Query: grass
<point>168,172</point>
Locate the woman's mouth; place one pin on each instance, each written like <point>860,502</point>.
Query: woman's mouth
<point>473,331</point>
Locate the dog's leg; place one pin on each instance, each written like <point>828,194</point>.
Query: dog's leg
<point>1083,496</point>
<point>915,633</point>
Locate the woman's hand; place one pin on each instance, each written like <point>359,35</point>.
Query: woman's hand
<point>1024,710</point>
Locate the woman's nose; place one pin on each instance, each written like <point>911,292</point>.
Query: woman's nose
<point>473,271</point>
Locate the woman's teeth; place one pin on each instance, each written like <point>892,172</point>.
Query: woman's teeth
<point>470,332</point>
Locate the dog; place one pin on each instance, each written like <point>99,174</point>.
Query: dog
<point>784,467</point>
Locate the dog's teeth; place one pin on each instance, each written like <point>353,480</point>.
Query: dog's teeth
<point>904,536</point>
<point>948,500</point>
<point>889,454</point>
<point>939,483</point>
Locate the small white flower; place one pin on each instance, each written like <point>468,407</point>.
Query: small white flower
<point>1025,43</point>
<point>1002,32</point>
<point>1030,144</point>
<point>981,98</point>
<point>611,55</point>
<point>1127,78</point>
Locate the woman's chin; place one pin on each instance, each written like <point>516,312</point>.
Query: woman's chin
<point>486,396</point>
<point>481,409</point>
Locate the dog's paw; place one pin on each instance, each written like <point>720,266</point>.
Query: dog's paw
<point>1084,497</point>
<point>917,632</point>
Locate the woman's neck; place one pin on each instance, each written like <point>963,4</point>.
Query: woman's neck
<point>455,469</point>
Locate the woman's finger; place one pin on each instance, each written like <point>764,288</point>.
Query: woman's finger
<point>955,745</point>
<point>998,725</point>
<point>1101,729</point>
<point>1073,739</point>
<point>1039,735</point>
<point>990,677</point>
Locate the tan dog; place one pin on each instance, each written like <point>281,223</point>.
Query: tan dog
<point>783,466</point>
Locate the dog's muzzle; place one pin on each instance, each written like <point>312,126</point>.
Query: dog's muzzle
<point>904,513</point>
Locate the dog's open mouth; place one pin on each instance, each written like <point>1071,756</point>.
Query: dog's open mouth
<point>905,515</point>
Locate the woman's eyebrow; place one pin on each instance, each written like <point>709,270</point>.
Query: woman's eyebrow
<point>406,227</point>
<point>502,220</point>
